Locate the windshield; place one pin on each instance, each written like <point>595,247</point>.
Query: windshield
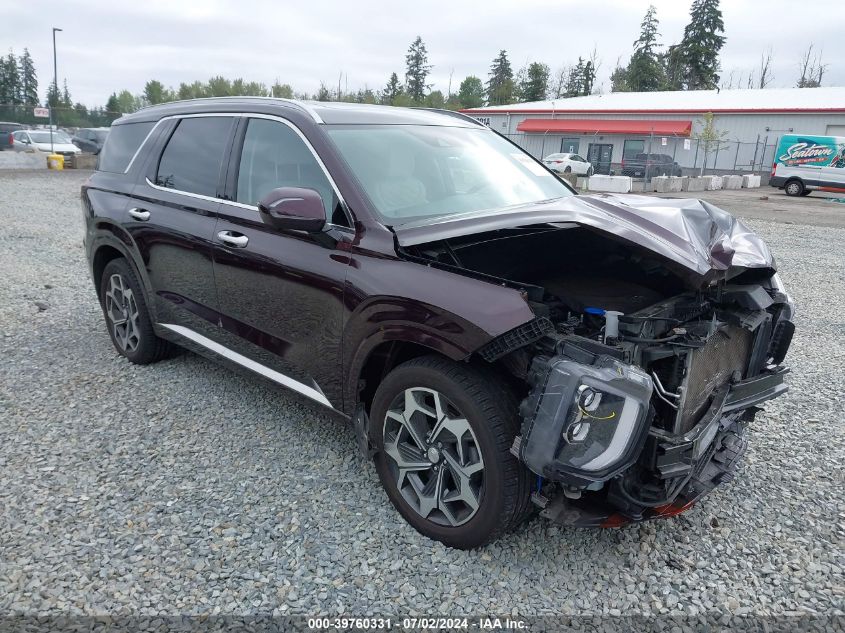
<point>413,172</point>
<point>44,137</point>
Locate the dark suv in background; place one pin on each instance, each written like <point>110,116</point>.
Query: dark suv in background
<point>500,344</point>
<point>90,139</point>
<point>7,129</point>
<point>650,165</point>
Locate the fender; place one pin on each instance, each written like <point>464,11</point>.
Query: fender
<point>383,319</point>
<point>110,233</point>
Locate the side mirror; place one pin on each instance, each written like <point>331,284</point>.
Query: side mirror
<point>293,208</point>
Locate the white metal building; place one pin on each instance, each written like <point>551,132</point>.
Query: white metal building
<point>607,128</point>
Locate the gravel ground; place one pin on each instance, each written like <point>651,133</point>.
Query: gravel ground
<point>183,488</point>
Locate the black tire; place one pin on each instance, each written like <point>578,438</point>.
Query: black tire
<point>568,170</point>
<point>148,348</point>
<point>491,411</point>
<point>806,192</point>
<point>794,188</point>
<point>590,171</point>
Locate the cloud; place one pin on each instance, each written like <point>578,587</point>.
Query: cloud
<point>108,46</point>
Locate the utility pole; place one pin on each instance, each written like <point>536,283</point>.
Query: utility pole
<point>55,86</point>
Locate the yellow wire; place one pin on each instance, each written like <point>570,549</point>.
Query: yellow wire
<point>586,414</point>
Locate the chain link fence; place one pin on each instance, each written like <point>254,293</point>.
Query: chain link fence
<point>62,117</point>
<point>678,155</point>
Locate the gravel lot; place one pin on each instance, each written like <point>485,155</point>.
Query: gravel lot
<point>183,488</point>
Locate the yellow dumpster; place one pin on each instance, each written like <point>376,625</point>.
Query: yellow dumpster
<point>55,161</point>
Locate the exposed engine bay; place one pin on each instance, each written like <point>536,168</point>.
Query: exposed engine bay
<point>638,378</point>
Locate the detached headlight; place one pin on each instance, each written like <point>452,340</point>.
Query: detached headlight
<point>585,422</point>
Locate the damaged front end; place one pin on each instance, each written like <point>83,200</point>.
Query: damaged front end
<point>660,328</point>
<point>639,425</point>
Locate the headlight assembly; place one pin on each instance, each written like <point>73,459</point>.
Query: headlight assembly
<point>585,423</point>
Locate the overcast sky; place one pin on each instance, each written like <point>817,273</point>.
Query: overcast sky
<point>109,45</point>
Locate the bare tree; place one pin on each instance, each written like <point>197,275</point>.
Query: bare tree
<point>557,85</point>
<point>812,69</point>
<point>765,77</point>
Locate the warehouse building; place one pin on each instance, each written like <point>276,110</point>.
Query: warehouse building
<point>607,128</point>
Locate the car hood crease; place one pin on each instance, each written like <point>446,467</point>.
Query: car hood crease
<point>699,241</point>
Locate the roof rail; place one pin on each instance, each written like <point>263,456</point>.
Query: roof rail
<point>452,113</point>
<point>305,107</point>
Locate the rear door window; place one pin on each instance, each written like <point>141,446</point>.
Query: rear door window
<point>122,144</point>
<point>192,157</point>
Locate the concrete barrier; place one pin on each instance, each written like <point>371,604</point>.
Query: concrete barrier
<point>694,184</point>
<point>84,161</point>
<point>581,182</point>
<point>731,182</point>
<point>660,184</point>
<point>23,160</point>
<point>750,181</point>
<point>614,184</point>
<point>676,183</point>
<point>712,183</point>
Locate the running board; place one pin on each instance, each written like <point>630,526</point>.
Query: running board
<point>248,363</point>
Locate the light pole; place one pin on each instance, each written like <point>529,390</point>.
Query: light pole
<point>55,85</point>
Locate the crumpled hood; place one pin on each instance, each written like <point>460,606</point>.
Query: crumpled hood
<point>698,240</point>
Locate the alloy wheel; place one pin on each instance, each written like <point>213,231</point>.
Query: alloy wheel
<point>434,456</point>
<point>122,313</point>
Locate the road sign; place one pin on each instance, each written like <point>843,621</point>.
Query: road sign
<point>41,113</point>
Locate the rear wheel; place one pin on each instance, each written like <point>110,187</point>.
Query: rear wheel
<point>127,318</point>
<point>794,188</point>
<point>806,192</point>
<point>444,436</point>
<point>590,171</point>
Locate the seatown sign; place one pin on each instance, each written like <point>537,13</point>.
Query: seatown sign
<point>41,113</point>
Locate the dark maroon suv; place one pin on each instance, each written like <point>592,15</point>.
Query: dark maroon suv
<point>500,344</point>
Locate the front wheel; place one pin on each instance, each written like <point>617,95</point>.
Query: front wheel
<point>444,432</point>
<point>794,188</point>
<point>589,171</point>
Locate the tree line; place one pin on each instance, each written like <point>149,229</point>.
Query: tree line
<point>691,64</point>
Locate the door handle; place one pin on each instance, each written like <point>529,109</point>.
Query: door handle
<point>230,238</point>
<point>142,215</point>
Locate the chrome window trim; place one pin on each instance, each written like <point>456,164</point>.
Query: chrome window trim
<point>277,377</point>
<point>251,115</point>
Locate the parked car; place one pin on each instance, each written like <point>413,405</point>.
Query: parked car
<point>6,131</point>
<point>565,163</point>
<point>650,165</point>
<point>500,344</point>
<point>90,139</point>
<point>805,163</point>
<point>27,140</point>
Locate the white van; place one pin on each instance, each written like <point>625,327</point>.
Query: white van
<point>805,163</point>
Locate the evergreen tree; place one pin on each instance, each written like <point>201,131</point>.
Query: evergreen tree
<point>416,71</point>
<point>575,80</point>
<point>645,73</point>
<point>10,81</point>
<point>500,85</point>
<point>701,45</point>
<point>535,85</point>
<point>28,78</point>
<point>674,68</point>
<point>588,78</point>
<point>54,97</point>
<point>619,79</point>
<point>66,100</point>
<point>391,91</point>
<point>471,93</point>
<point>113,105</point>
